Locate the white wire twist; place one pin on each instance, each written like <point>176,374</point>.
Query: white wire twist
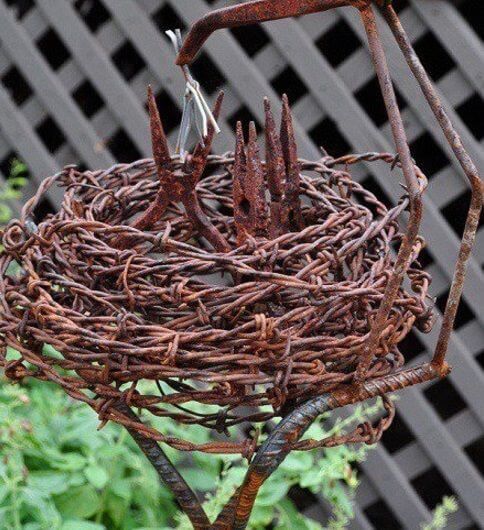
<point>195,108</point>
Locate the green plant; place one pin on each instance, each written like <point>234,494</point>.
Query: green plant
<point>11,189</point>
<point>59,473</point>
<point>441,514</point>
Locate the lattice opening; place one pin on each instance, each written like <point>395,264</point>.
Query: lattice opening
<point>122,148</point>
<point>411,346</point>
<point>431,486</point>
<point>328,135</point>
<point>210,83</point>
<point>252,39</point>
<point>338,43</point>
<point>445,399</point>
<point>472,11</point>
<point>50,134</point>
<point>7,161</point>
<point>20,7</point>
<point>93,13</point>
<point>430,156</point>
<point>17,86</point>
<point>464,313</point>
<point>380,514</point>
<point>398,436</point>
<point>475,451</point>
<point>472,112</point>
<point>428,49</point>
<point>369,97</point>
<point>289,83</point>
<point>166,18</point>
<point>128,61</point>
<point>88,99</point>
<point>171,112</point>
<point>53,49</point>
<point>244,115</point>
<point>454,209</point>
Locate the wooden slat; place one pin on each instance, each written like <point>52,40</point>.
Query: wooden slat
<point>455,36</point>
<point>38,73</point>
<point>100,70</point>
<point>28,146</point>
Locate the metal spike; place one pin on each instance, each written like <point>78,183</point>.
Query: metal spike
<point>275,169</point>
<point>159,141</point>
<point>241,202</point>
<point>162,158</point>
<point>255,187</point>
<point>291,202</point>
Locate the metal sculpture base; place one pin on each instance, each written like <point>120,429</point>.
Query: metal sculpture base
<point>275,449</point>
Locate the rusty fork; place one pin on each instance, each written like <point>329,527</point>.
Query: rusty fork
<point>271,454</point>
<point>179,185</point>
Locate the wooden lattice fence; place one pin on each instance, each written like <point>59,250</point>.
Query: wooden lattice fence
<point>73,78</point>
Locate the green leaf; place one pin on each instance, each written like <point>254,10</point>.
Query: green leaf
<point>262,516</point>
<point>4,491</point>
<point>311,478</point>
<point>291,519</point>
<point>116,508</point>
<point>122,488</point>
<point>199,480</point>
<point>69,462</point>
<point>34,498</point>
<point>96,475</point>
<point>81,525</point>
<point>48,482</point>
<point>80,503</point>
<point>272,492</point>
<point>298,462</point>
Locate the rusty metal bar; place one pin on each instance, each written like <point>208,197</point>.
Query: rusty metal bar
<point>168,474</point>
<point>290,430</point>
<point>455,142</point>
<point>413,189</point>
<point>249,13</point>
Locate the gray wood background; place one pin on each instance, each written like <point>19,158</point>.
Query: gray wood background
<point>73,79</point>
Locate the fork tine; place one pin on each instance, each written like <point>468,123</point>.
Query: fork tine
<point>275,168</point>
<point>291,203</point>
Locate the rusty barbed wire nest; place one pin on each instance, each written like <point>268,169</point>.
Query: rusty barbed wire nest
<point>251,294</point>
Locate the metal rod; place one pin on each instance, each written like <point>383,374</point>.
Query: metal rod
<point>414,193</point>
<point>279,443</point>
<point>168,474</point>
<point>249,13</point>
<point>455,142</point>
